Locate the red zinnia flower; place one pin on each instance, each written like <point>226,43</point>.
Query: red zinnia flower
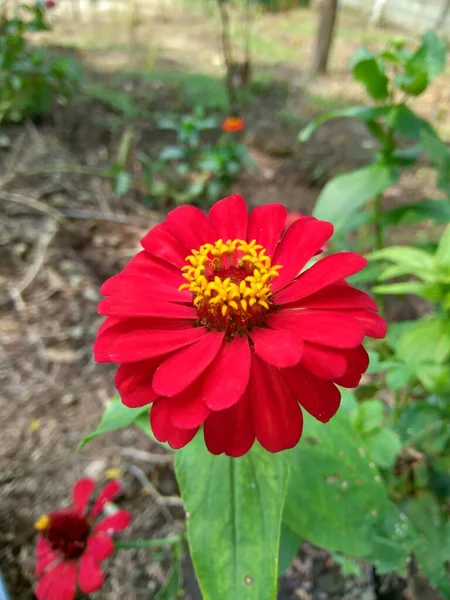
<point>248,338</point>
<point>233,125</point>
<point>71,546</point>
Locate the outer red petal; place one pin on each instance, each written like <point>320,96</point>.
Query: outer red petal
<point>337,296</point>
<point>320,398</point>
<point>108,493</point>
<point>188,409</point>
<point>373,325</point>
<point>266,225</point>
<point>100,546</point>
<point>135,340</point>
<point>227,377</point>
<point>324,362</point>
<point>357,363</point>
<point>191,226</point>
<point>45,556</point>
<point>90,575</point>
<point>230,431</point>
<point>128,284</point>
<point>229,218</point>
<point>143,270</point>
<point>180,370</point>
<point>115,522</point>
<point>59,583</point>
<point>323,328</point>
<point>144,305</point>
<point>277,418</point>
<point>81,494</point>
<point>279,347</point>
<point>326,271</point>
<point>299,244</point>
<point>162,243</point>
<point>134,382</point>
<point>162,427</point>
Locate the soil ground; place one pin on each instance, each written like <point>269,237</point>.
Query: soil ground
<point>63,232</point>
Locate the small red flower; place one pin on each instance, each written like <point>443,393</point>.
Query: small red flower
<point>233,125</point>
<point>216,323</point>
<point>70,545</point>
<point>50,3</point>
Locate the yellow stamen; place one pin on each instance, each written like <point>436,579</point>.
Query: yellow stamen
<point>43,523</point>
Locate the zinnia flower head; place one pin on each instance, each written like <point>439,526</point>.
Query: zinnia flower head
<point>233,124</point>
<point>217,323</point>
<point>71,544</point>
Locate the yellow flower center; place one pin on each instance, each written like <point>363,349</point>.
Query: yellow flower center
<point>42,523</point>
<point>230,284</point>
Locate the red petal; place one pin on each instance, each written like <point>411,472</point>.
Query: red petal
<point>322,328</point>
<point>141,270</point>
<point>279,347</point>
<point>229,218</point>
<point>188,409</point>
<point>45,556</point>
<point>144,305</point>
<point>161,242</point>
<point>180,370</point>
<point>134,382</point>
<point>227,378</point>
<point>125,283</point>
<point>298,245</point>
<point>337,296</point>
<point>107,323</point>
<point>115,522</point>
<point>230,431</point>
<point>324,272</point>
<point>162,427</point>
<point>100,546</point>
<point>320,398</point>
<point>81,494</point>
<point>357,363</point>
<point>90,575</point>
<point>131,341</point>
<point>59,583</point>
<point>108,493</point>
<point>277,418</point>
<point>266,225</point>
<point>191,227</point>
<point>324,362</point>
<point>373,325</point>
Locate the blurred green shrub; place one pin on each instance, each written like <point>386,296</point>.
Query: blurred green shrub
<point>30,80</point>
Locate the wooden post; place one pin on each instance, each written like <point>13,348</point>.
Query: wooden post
<point>324,36</point>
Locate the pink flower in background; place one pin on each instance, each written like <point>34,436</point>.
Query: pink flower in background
<point>71,544</point>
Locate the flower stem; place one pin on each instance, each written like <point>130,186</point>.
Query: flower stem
<point>170,540</point>
<point>377,218</point>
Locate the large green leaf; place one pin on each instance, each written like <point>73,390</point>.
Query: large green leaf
<point>442,255</point>
<point>345,194</point>
<point>234,509</point>
<point>431,55</point>
<point>336,498</point>
<point>425,341</point>
<point>370,72</point>
<point>436,210</point>
<point>115,417</point>
<point>364,113</point>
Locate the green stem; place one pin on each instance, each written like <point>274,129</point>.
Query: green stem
<point>377,217</point>
<point>170,540</point>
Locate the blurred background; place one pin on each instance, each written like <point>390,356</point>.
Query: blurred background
<point>113,112</point>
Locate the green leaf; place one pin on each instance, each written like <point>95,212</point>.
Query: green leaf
<point>345,194</point>
<point>290,543</point>
<point>116,416</point>
<point>368,416</point>
<point>407,123</point>
<point>123,183</point>
<point>368,71</point>
<point>431,335</point>
<point>335,497</point>
<point>174,580</point>
<point>238,503</point>
<point>363,113</point>
<point>432,549</point>
<point>442,255</point>
<point>432,54</point>
<point>406,256</point>
<point>383,446</point>
<point>436,210</point>
<point>430,291</point>
<point>171,153</point>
